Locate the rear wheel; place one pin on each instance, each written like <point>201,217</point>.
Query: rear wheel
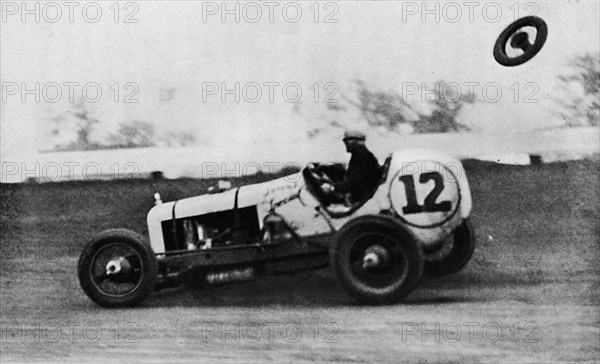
<point>453,254</point>
<point>376,260</point>
<point>117,269</point>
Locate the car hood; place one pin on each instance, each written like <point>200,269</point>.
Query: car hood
<point>267,192</point>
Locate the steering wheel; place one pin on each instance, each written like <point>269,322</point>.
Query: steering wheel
<point>319,175</point>
<point>321,178</point>
<point>519,39</point>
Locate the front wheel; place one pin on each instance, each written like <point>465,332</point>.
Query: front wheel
<point>376,260</point>
<point>453,254</point>
<point>117,269</point>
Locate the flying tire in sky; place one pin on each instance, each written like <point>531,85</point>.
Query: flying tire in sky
<point>515,35</point>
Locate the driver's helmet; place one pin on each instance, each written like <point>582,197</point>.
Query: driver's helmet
<point>354,134</point>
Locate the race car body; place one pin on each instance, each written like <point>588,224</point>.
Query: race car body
<point>415,219</point>
<point>433,184</point>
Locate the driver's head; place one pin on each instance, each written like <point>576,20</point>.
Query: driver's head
<point>353,138</point>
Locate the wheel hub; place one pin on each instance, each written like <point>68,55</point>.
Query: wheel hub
<point>375,256</point>
<point>521,41</point>
<point>118,267</point>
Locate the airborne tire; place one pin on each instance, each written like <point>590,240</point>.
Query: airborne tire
<point>135,286</point>
<point>499,47</point>
<point>388,283</point>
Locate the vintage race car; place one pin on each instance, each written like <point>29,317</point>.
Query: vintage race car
<point>415,220</point>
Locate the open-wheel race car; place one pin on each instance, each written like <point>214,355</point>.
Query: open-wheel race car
<point>414,221</point>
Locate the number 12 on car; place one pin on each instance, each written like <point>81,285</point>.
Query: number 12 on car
<point>430,203</point>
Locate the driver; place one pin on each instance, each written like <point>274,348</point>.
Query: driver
<point>363,171</point>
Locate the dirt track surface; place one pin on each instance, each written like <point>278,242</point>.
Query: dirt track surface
<point>530,294</point>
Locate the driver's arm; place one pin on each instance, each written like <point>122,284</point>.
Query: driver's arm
<point>352,178</point>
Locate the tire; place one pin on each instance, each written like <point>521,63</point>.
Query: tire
<point>459,254</point>
<point>499,47</point>
<point>388,283</point>
<point>138,273</point>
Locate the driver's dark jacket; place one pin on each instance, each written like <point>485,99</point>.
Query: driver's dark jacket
<point>362,175</point>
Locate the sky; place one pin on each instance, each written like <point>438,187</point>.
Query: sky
<point>176,61</point>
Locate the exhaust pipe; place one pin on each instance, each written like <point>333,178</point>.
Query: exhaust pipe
<point>234,275</point>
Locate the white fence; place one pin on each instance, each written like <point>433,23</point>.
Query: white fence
<point>229,159</point>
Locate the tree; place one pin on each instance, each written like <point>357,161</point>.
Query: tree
<point>134,134</point>
<point>178,138</point>
<point>445,110</point>
<point>78,126</point>
<point>390,111</point>
<point>580,102</point>
<point>381,109</point>
<point>80,121</point>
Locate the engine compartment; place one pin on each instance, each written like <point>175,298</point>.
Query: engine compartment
<point>217,229</point>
